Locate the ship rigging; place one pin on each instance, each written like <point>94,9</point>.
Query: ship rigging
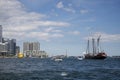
<point>96,50</point>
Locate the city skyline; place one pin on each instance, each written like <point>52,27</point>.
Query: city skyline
<point>61,25</point>
<point>8,46</point>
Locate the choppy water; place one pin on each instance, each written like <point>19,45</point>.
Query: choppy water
<point>68,69</point>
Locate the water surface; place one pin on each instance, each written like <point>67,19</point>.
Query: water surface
<point>68,69</point>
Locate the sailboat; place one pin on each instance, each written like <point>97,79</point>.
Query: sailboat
<point>96,54</point>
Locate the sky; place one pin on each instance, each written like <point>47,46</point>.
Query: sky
<point>62,25</point>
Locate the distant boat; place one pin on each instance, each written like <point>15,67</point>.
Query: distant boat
<point>58,59</point>
<point>96,54</point>
<point>80,58</point>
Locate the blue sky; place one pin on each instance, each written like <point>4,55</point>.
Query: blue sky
<point>61,25</point>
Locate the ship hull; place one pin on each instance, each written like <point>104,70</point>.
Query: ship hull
<point>98,56</point>
<point>95,57</point>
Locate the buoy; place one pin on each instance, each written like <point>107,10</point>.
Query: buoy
<point>20,55</point>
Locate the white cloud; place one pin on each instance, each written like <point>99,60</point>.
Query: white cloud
<point>92,19</point>
<point>40,35</point>
<point>11,34</point>
<point>51,29</point>
<point>51,23</point>
<point>89,28</point>
<point>74,32</point>
<point>60,5</point>
<point>106,37</point>
<point>84,11</point>
<point>68,9</point>
<point>44,35</point>
<point>21,28</point>
<point>57,31</point>
<point>57,35</point>
<point>18,22</point>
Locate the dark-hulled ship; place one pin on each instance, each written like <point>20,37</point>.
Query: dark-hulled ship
<point>96,52</point>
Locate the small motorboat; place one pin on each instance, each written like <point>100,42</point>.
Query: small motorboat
<point>58,59</point>
<point>80,58</point>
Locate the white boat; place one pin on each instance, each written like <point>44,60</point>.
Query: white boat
<point>58,59</point>
<point>80,58</point>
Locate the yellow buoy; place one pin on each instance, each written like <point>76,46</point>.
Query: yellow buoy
<point>20,55</point>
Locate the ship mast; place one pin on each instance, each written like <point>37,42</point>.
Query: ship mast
<point>66,53</point>
<point>94,47</point>
<point>98,44</point>
<point>88,50</point>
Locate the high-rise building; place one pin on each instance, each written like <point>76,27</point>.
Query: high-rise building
<point>32,49</point>
<point>3,48</point>
<point>25,46</point>
<point>36,46</point>
<point>31,46</point>
<point>8,46</point>
<point>12,46</point>
<point>0,33</point>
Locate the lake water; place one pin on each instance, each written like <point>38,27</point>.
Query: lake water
<point>68,69</point>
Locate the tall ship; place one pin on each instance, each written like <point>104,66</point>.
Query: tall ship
<point>94,51</point>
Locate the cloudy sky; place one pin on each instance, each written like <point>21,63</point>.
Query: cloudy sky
<point>61,25</point>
